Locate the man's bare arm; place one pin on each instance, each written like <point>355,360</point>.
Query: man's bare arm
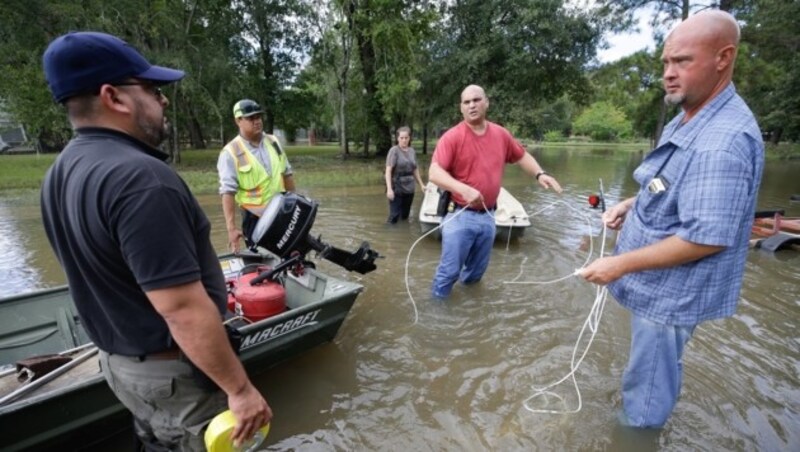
<point>669,252</point>
<point>229,211</point>
<point>196,325</point>
<point>444,180</point>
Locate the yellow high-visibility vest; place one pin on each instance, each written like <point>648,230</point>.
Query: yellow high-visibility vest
<point>256,186</point>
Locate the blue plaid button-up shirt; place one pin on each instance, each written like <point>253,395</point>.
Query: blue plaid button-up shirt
<point>712,167</point>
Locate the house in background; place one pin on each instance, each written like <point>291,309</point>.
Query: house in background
<point>11,133</point>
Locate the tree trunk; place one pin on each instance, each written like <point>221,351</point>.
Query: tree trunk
<point>343,96</point>
<point>343,123</point>
<point>662,116</point>
<point>196,137</point>
<point>366,53</point>
<point>425,138</point>
<point>775,136</point>
<point>174,149</point>
<point>270,88</point>
<point>312,134</point>
<point>171,146</point>
<point>685,4</point>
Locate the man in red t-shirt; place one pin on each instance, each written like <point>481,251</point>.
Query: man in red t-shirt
<point>468,162</point>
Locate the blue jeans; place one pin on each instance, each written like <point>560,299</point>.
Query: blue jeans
<point>467,240</point>
<point>652,381</point>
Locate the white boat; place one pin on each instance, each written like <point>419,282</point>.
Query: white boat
<point>509,217</point>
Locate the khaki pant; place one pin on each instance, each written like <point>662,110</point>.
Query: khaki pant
<point>170,411</point>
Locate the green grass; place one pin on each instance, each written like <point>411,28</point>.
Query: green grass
<point>23,172</point>
<point>783,151</point>
<point>617,146</point>
<point>314,166</point>
<point>620,144</point>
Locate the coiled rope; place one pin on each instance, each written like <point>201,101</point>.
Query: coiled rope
<point>591,323</point>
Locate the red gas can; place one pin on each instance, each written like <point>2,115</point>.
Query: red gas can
<point>260,301</point>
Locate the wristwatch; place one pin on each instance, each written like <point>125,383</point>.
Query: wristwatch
<point>539,174</point>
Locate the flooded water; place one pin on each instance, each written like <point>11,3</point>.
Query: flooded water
<point>457,379</point>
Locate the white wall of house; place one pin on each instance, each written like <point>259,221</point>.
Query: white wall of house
<point>10,131</point>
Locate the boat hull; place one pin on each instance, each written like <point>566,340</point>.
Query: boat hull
<point>511,220</point>
<point>76,411</point>
<point>503,233</point>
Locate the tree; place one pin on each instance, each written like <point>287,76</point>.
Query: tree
<point>388,36</point>
<point>331,63</point>
<point>632,84</point>
<point>27,28</point>
<point>525,54</point>
<point>603,122</point>
<point>768,67</point>
<point>273,37</point>
<point>665,13</point>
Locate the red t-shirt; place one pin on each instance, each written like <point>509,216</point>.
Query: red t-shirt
<point>478,160</point>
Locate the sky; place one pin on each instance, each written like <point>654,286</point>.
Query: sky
<point>622,45</point>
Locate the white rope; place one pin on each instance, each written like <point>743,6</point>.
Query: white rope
<point>414,245</point>
<point>588,256</point>
<point>408,259</point>
<point>592,321</point>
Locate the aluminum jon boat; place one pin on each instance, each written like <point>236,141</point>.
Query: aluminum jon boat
<point>72,404</point>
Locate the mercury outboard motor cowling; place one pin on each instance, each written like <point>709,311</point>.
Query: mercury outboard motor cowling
<point>284,228</point>
<point>285,224</point>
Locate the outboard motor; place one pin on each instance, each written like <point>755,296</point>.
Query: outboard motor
<point>284,229</point>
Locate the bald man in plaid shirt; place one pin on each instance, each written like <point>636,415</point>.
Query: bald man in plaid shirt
<point>680,256</point>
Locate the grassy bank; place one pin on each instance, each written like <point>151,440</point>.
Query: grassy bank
<point>21,173</point>
<point>622,146</point>
<point>314,166</point>
<point>783,151</point>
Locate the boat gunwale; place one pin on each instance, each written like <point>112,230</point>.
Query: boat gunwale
<point>350,289</point>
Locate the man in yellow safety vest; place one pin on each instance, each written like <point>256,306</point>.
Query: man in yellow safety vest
<point>252,169</point>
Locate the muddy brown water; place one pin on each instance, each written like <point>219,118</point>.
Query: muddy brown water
<point>456,380</point>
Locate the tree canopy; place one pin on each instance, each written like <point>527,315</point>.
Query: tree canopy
<point>356,70</point>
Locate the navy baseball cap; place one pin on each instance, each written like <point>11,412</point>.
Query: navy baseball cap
<point>79,62</point>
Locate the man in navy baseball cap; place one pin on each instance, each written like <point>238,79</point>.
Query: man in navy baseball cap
<point>80,62</point>
<point>136,249</point>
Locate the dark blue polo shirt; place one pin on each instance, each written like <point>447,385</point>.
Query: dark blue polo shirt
<point>122,222</point>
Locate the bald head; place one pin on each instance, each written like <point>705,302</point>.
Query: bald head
<point>698,59</point>
<point>473,107</point>
<point>472,90</point>
<point>715,27</point>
